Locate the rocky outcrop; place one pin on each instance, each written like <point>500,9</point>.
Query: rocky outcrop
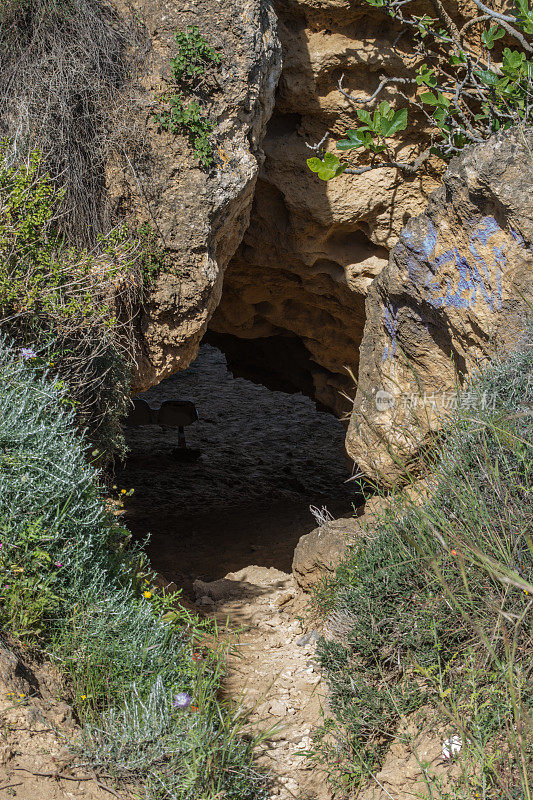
<point>453,293</point>
<point>319,553</point>
<point>200,214</point>
<point>312,249</point>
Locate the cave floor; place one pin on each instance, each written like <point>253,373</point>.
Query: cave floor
<point>265,458</point>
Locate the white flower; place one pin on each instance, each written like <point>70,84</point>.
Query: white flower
<point>452,746</point>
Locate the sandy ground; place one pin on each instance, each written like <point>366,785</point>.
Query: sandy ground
<point>265,458</point>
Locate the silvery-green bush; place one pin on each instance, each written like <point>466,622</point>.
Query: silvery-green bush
<point>65,559</point>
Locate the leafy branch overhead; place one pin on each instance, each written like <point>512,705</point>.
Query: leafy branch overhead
<point>465,91</point>
<point>190,70</point>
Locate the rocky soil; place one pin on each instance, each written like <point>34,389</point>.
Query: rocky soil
<point>272,672</point>
<point>35,725</point>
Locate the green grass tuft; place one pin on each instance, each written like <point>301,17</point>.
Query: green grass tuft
<point>432,608</point>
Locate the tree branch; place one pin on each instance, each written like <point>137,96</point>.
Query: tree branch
<point>517,35</point>
<point>384,82</point>
<point>493,14</point>
<point>445,18</point>
<point>409,169</point>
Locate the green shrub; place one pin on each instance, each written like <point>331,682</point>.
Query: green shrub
<point>71,583</point>
<point>465,81</point>
<point>72,308</point>
<point>189,67</point>
<point>432,607</point>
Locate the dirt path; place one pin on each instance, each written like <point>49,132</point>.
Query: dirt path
<point>273,671</point>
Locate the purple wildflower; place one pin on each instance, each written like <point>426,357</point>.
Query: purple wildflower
<point>58,564</point>
<point>27,352</point>
<point>182,700</point>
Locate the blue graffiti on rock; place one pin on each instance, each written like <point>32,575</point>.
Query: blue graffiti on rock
<point>479,275</point>
<point>390,323</point>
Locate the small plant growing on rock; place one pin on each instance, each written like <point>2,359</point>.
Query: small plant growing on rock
<point>195,57</point>
<point>467,83</point>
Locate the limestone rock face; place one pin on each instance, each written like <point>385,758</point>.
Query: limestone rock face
<point>319,553</point>
<point>200,214</point>
<point>452,293</point>
<point>312,249</point>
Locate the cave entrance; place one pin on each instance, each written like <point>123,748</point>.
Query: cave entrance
<point>266,457</point>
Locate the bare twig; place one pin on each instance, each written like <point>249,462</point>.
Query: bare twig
<point>319,144</point>
<point>408,168</point>
<point>60,776</point>
<point>384,81</point>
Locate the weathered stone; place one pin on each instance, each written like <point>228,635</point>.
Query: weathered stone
<point>312,249</point>
<point>201,214</point>
<point>320,551</point>
<point>452,294</point>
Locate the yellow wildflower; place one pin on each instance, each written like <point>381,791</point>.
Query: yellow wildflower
<point>147,595</point>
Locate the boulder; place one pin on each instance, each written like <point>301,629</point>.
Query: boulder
<point>318,553</point>
<point>454,293</point>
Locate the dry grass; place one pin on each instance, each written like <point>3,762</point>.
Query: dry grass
<point>65,67</point>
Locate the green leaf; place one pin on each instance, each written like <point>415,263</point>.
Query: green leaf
<point>487,76</point>
<point>398,122</point>
<point>426,76</point>
<point>512,59</point>
<point>314,164</point>
<point>429,98</point>
<point>364,116</point>
<point>354,139</point>
<point>489,37</point>
<point>327,168</point>
<point>456,60</point>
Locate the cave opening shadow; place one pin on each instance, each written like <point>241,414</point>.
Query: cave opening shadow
<point>265,457</point>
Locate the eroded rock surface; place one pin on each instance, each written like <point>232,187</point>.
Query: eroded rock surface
<point>312,249</point>
<point>200,214</point>
<point>319,553</point>
<point>454,292</point>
